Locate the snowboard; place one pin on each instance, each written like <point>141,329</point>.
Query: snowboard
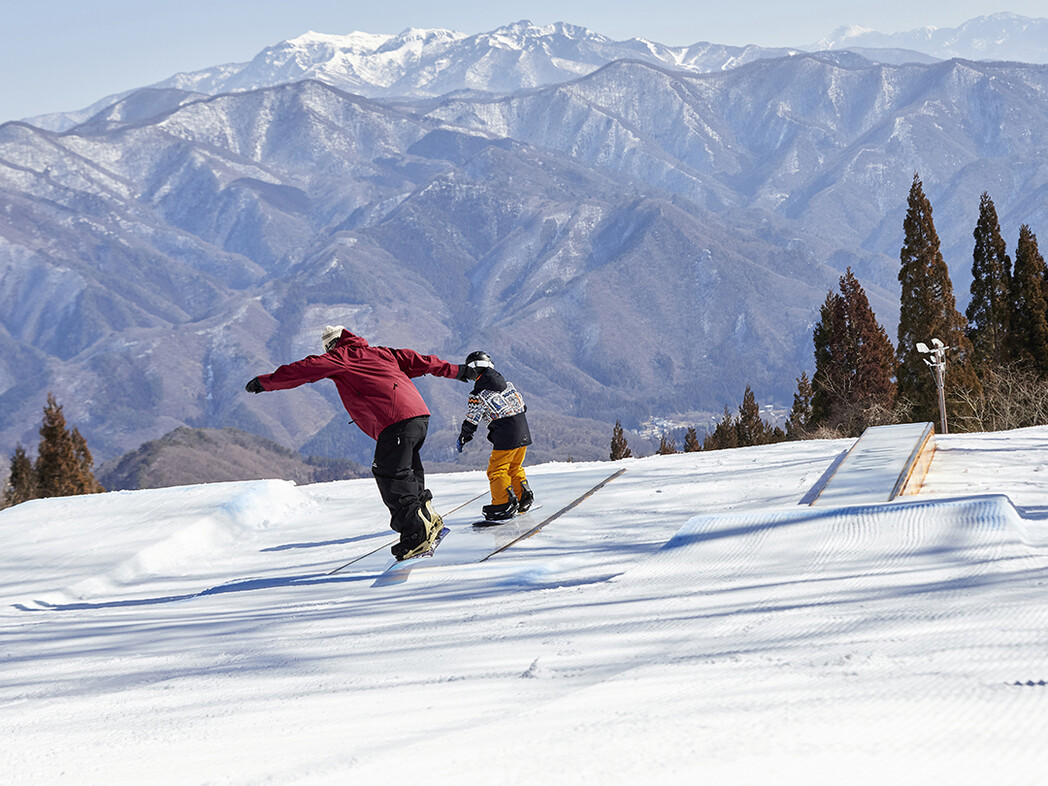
<point>485,523</point>
<point>428,552</point>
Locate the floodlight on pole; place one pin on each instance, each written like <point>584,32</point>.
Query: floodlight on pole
<point>937,362</point>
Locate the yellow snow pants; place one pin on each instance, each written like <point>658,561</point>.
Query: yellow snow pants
<point>505,471</point>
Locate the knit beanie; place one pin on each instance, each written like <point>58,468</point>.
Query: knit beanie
<point>331,334</point>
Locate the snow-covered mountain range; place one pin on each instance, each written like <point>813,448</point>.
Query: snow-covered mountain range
<point>426,63</point>
<point>1002,36</point>
<point>436,62</point>
<point>640,240</point>
<point>423,63</point>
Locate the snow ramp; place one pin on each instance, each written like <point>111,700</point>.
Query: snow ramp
<point>962,537</point>
<point>941,568</point>
<point>884,463</point>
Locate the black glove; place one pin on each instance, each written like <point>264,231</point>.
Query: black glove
<point>466,374</point>
<point>465,435</point>
<point>254,386</point>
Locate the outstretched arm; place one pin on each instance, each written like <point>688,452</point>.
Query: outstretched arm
<point>415,365</point>
<point>291,375</point>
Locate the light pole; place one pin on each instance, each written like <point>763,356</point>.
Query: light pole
<point>937,362</point>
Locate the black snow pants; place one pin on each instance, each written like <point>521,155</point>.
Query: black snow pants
<point>398,469</point>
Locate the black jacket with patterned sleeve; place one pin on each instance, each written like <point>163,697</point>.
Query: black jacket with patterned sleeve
<point>500,404</point>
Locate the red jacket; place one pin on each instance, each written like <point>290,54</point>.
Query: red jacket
<point>374,382</point>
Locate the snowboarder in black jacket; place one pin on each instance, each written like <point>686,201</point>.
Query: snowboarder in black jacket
<point>497,401</point>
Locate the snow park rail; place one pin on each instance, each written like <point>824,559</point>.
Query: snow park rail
<point>467,544</point>
<point>470,545</point>
<point>387,544</point>
<point>556,515</point>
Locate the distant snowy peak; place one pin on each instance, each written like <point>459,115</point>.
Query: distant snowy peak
<point>423,63</point>
<point>526,30</point>
<point>1002,36</point>
<point>844,37</point>
<point>352,61</point>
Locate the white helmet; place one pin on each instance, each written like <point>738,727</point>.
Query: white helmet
<point>479,360</point>
<point>331,335</point>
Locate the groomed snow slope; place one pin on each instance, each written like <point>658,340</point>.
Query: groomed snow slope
<point>690,619</point>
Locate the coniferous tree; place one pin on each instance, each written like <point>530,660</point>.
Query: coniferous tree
<point>854,363</point>
<point>86,462</point>
<point>928,310</point>
<point>989,311</point>
<point>831,383</point>
<point>800,416</point>
<point>874,364</point>
<point>724,435</point>
<point>744,430</point>
<point>749,426</point>
<point>63,462</point>
<point>667,446</point>
<point>1029,325</point>
<point>57,467</point>
<point>619,448</point>
<point>21,483</point>
<point>691,441</point>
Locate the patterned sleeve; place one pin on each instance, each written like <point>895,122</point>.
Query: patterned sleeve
<point>492,404</point>
<point>476,411</point>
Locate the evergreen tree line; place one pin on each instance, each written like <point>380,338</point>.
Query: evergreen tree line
<point>997,361</point>
<point>744,428</point>
<point>63,465</point>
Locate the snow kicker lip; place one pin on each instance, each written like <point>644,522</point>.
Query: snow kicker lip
<point>882,464</point>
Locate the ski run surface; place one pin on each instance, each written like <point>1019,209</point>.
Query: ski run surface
<point>692,619</point>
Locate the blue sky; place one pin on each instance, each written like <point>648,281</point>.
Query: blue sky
<point>60,55</point>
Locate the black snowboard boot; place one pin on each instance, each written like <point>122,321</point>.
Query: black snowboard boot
<point>506,510</point>
<point>412,536</point>
<point>418,532</point>
<point>527,498</point>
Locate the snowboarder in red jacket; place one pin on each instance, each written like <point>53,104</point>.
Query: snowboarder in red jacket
<point>377,392</point>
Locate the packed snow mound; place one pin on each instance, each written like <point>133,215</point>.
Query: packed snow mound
<point>210,523</point>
